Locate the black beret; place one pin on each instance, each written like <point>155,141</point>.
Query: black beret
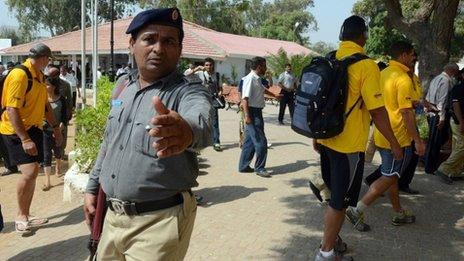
<point>162,16</point>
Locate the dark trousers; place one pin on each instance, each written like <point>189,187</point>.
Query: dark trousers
<point>287,99</point>
<point>74,99</point>
<point>255,142</point>
<point>437,138</point>
<point>6,158</point>
<point>215,126</point>
<point>406,176</point>
<point>50,146</point>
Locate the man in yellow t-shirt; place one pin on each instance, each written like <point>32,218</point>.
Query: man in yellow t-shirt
<point>398,93</point>
<point>342,157</point>
<point>21,128</point>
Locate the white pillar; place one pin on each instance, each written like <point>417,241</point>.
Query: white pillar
<point>83,11</point>
<point>95,50</point>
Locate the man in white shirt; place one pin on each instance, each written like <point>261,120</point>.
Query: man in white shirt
<point>120,70</point>
<point>437,96</point>
<point>253,103</point>
<point>287,81</point>
<point>72,80</point>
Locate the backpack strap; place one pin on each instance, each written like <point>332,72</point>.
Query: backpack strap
<point>30,80</point>
<point>352,59</point>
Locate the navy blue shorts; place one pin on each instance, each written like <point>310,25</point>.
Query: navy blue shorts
<point>391,167</point>
<point>342,173</point>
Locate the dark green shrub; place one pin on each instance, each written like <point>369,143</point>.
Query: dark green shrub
<point>90,126</point>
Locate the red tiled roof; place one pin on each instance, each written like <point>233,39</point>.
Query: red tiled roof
<point>198,42</point>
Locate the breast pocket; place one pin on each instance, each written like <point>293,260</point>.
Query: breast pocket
<point>143,142</point>
<point>114,119</point>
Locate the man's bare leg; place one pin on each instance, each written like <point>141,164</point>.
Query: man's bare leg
<point>25,189</point>
<point>394,196</point>
<point>378,188</point>
<point>333,223</point>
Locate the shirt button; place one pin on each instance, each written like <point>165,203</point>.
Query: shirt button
<point>129,120</point>
<point>113,176</point>
<point>121,147</point>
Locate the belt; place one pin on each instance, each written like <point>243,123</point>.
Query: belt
<point>134,208</point>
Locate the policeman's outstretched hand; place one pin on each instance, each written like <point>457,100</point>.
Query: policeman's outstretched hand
<point>174,133</point>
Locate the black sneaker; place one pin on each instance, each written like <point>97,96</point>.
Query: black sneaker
<point>247,170</point>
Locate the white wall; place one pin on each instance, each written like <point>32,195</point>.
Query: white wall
<point>225,67</point>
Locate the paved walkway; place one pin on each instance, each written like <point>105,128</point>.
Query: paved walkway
<point>252,218</point>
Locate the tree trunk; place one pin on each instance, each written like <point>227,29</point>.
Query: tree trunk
<point>431,29</point>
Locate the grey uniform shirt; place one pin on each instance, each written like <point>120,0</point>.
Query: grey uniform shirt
<point>127,167</point>
<point>438,92</point>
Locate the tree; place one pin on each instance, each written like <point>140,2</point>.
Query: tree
<point>280,19</point>
<point>277,62</point>
<point>58,16</point>
<point>10,33</point>
<point>428,23</point>
<point>286,20</point>
<point>432,27</point>
<point>322,47</point>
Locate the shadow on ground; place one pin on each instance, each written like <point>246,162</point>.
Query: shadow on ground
<point>436,235</point>
<point>225,194</point>
<point>72,217</point>
<point>53,251</point>
<point>291,167</point>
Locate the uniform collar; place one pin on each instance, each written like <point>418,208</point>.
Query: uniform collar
<point>28,64</point>
<point>400,65</point>
<point>351,45</point>
<point>160,82</point>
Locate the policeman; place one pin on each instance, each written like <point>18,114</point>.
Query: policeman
<point>147,164</point>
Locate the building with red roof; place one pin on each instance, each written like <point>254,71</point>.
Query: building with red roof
<point>230,51</point>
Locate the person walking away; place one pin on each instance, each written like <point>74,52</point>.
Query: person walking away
<point>398,92</point>
<point>453,167</point>
<point>342,156</point>
<point>65,91</point>
<point>58,105</point>
<point>147,163</point>
<point>286,81</point>
<point>438,118</point>
<point>21,128</point>
<point>211,81</point>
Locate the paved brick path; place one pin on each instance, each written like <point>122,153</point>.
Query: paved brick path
<point>252,218</point>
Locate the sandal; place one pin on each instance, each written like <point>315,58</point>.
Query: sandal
<point>22,227</point>
<point>37,221</point>
<point>46,188</point>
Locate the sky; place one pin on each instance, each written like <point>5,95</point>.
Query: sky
<point>329,19</point>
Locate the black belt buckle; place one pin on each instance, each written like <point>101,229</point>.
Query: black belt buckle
<point>122,207</point>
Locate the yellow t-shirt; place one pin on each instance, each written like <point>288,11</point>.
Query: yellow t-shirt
<point>32,112</point>
<point>398,92</point>
<point>363,80</point>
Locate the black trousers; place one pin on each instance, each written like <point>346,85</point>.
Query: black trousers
<point>406,177</point>
<point>287,99</point>
<point>437,138</point>
<point>6,158</point>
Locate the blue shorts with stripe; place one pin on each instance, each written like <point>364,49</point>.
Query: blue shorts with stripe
<point>391,167</point>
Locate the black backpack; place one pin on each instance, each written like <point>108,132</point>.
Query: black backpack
<point>29,83</point>
<point>320,102</point>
